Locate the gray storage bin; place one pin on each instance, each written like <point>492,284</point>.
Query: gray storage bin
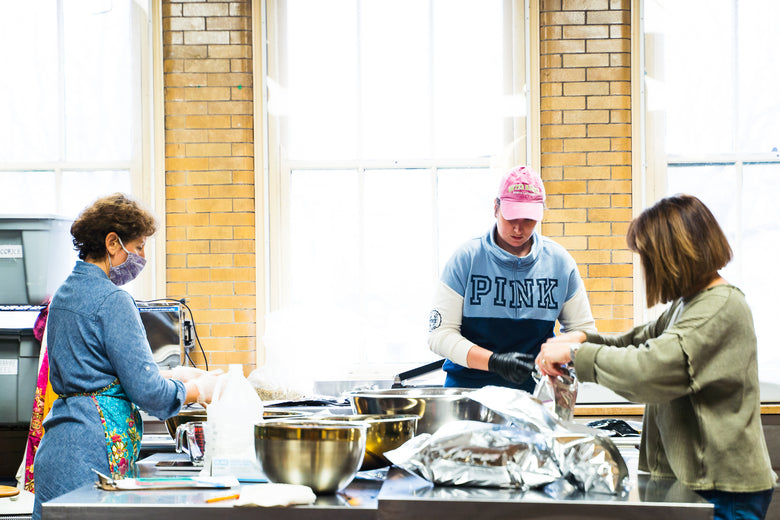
<point>19,352</point>
<point>36,255</point>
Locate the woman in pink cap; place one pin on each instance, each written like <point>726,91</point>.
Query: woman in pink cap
<point>501,294</point>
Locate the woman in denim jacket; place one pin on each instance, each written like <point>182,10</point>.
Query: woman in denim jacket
<point>101,366</point>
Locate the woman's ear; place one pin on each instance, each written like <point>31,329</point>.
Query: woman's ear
<point>112,243</point>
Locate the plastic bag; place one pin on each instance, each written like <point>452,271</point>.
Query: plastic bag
<point>232,415</point>
<point>270,387</point>
<point>558,394</point>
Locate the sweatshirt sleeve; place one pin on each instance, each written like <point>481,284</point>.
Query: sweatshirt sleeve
<point>444,336</point>
<point>576,314</point>
<point>645,365</point>
<point>129,353</point>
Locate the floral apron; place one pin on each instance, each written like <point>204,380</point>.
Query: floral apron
<point>122,425</point>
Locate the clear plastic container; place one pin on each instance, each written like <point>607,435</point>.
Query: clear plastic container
<point>234,410</point>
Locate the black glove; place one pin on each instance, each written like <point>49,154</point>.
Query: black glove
<point>512,366</point>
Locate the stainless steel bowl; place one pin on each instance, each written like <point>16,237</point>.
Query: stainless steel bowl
<point>385,433</point>
<point>198,413</point>
<point>436,406</point>
<point>324,455</point>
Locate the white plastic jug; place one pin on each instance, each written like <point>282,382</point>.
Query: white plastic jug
<point>234,410</point>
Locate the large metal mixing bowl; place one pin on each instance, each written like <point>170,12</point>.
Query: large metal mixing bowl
<point>324,455</point>
<point>198,413</point>
<point>436,406</point>
<point>385,433</point>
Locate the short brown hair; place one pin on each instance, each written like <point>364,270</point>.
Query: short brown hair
<point>116,213</point>
<point>681,247</point>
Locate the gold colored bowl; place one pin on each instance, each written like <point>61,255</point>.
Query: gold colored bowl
<point>198,413</point>
<point>322,454</point>
<point>385,433</point>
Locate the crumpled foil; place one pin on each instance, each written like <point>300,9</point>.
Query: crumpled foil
<point>558,393</point>
<point>473,453</point>
<point>537,450</point>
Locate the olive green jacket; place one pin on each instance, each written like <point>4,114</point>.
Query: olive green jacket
<point>698,375</point>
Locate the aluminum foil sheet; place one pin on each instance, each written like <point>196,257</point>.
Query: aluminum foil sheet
<point>473,453</point>
<point>537,450</point>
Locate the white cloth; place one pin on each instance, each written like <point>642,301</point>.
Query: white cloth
<point>275,495</point>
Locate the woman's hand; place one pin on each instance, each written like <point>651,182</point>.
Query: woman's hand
<point>556,352</point>
<point>575,336</point>
<point>184,374</point>
<point>206,384</point>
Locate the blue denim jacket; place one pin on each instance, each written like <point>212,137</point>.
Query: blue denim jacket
<point>94,336</point>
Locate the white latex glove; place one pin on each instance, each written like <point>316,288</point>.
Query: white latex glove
<point>206,384</point>
<point>184,374</point>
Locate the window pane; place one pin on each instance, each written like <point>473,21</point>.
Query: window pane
<point>468,99</point>
<point>716,186</point>
<point>700,79</point>
<point>324,240</point>
<point>79,189</point>
<point>759,75</point>
<point>466,201</point>
<point>319,326</point>
<point>398,246</point>
<point>28,85</point>
<point>395,79</point>
<point>760,250</point>
<point>100,80</point>
<point>321,80</point>
<point>27,193</point>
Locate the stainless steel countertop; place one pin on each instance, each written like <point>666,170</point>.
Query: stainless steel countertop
<point>400,496</point>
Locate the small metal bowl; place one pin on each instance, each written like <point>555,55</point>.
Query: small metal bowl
<point>385,433</point>
<point>324,455</point>
<point>198,413</point>
<point>436,406</point>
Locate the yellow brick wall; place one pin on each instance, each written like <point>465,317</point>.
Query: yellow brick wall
<point>585,135</point>
<point>209,172</point>
<point>585,156</point>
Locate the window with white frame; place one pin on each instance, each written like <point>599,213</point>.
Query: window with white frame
<point>71,109</point>
<point>713,129</point>
<point>390,122</point>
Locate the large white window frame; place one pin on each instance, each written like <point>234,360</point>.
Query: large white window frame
<point>653,166</point>
<point>272,221</point>
<point>145,166</point>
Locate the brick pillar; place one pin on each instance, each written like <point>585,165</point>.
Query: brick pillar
<point>586,145</point>
<point>209,173</point>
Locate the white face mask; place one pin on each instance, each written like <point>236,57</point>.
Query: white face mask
<point>128,270</point>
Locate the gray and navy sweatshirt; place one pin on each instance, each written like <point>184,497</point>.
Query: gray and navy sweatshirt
<point>491,298</point>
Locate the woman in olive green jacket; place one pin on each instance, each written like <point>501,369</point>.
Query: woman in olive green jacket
<point>695,366</point>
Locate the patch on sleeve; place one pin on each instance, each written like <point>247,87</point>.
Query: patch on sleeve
<point>434,321</point>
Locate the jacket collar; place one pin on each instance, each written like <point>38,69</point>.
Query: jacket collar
<point>506,258</point>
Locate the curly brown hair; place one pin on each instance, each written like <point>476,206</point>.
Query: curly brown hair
<point>681,247</point>
<point>115,213</point>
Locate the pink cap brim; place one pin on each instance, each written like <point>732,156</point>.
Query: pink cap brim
<point>514,210</point>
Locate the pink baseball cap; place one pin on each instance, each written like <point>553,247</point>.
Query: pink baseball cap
<point>522,194</point>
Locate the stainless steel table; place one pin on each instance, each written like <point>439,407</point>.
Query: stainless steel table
<point>407,496</point>
<point>400,496</point>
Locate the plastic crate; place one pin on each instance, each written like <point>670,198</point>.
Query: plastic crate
<point>19,352</point>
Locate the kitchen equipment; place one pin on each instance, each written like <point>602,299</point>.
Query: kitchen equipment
<point>436,406</point>
<point>400,379</point>
<point>385,433</point>
<point>324,455</point>
<point>164,325</point>
<point>198,413</point>
<point>341,388</point>
<point>191,439</point>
